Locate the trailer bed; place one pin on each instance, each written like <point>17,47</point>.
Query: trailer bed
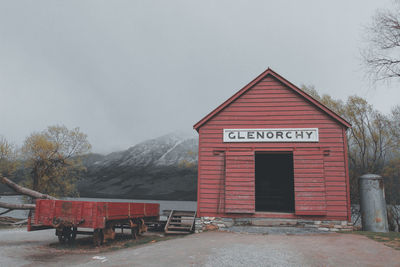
<point>103,217</point>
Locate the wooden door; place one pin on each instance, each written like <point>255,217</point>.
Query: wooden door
<point>240,182</point>
<point>309,182</point>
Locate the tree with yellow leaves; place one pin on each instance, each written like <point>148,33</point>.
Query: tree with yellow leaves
<point>373,141</point>
<point>53,158</point>
<point>8,158</point>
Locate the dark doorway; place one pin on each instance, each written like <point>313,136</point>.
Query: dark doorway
<point>274,182</point>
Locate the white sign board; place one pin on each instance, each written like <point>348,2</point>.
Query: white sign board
<point>271,135</point>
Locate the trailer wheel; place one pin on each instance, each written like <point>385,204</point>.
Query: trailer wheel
<point>61,238</point>
<point>73,234</point>
<point>135,232</point>
<point>66,234</point>
<point>98,237</point>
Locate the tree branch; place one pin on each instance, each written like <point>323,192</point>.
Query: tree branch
<point>7,211</point>
<point>23,190</point>
<point>10,194</point>
<point>17,206</point>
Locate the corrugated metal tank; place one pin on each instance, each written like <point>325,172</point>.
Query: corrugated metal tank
<point>372,203</point>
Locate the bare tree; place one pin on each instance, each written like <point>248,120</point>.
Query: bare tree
<point>382,52</point>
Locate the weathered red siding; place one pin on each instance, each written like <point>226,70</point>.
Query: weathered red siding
<point>226,177</point>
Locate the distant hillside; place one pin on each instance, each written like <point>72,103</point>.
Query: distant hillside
<point>162,168</point>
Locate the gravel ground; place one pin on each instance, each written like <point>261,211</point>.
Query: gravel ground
<point>281,230</point>
<point>21,248</point>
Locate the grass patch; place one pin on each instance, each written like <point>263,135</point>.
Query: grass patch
<point>390,239</point>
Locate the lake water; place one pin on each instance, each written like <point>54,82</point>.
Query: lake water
<point>164,204</point>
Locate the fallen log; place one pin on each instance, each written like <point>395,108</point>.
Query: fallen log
<point>21,222</point>
<point>25,191</point>
<point>8,220</point>
<point>21,191</point>
<point>10,194</point>
<point>13,224</point>
<point>13,206</point>
<point>5,212</point>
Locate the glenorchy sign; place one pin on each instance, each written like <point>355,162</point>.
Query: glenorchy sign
<point>271,135</point>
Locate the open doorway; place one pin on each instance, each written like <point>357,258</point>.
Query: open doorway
<point>274,182</point>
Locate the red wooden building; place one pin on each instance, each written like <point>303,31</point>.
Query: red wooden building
<point>273,151</point>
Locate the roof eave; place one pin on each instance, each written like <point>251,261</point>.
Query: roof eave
<point>281,79</point>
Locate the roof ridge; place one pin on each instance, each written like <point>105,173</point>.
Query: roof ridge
<point>264,74</point>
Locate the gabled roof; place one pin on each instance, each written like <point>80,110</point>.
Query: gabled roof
<point>285,82</point>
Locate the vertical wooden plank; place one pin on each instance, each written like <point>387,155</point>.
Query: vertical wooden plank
<point>240,168</point>
<point>313,194</point>
<point>346,168</point>
<point>199,176</point>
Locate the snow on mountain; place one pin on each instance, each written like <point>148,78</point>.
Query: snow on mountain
<point>167,150</point>
<point>160,168</point>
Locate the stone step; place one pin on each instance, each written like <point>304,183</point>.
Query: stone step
<point>177,232</point>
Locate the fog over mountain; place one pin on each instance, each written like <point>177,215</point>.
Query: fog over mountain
<point>126,71</point>
<point>161,168</point>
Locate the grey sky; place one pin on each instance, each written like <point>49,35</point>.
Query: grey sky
<point>126,71</point>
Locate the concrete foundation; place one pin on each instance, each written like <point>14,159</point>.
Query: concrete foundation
<point>218,223</point>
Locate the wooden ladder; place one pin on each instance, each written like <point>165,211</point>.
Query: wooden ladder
<point>180,222</point>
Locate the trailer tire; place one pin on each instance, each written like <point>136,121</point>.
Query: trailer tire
<point>67,234</point>
<point>73,234</point>
<point>135,232</point>
<point>61,238</point>
<point>98,237</point>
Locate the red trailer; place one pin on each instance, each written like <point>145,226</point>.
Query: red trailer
<point>103,217</point>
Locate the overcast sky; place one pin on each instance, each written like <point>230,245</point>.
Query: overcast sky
<point>127,71</point>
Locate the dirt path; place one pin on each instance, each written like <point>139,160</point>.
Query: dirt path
<point>19,248</point>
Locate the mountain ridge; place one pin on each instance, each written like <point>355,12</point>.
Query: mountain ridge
<point>162,168</point>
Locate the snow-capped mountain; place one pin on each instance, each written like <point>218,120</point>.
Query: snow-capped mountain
<point>166,150</point>
<point>161,168</point>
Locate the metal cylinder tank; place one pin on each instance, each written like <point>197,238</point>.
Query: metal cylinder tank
<point>372,203</point>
